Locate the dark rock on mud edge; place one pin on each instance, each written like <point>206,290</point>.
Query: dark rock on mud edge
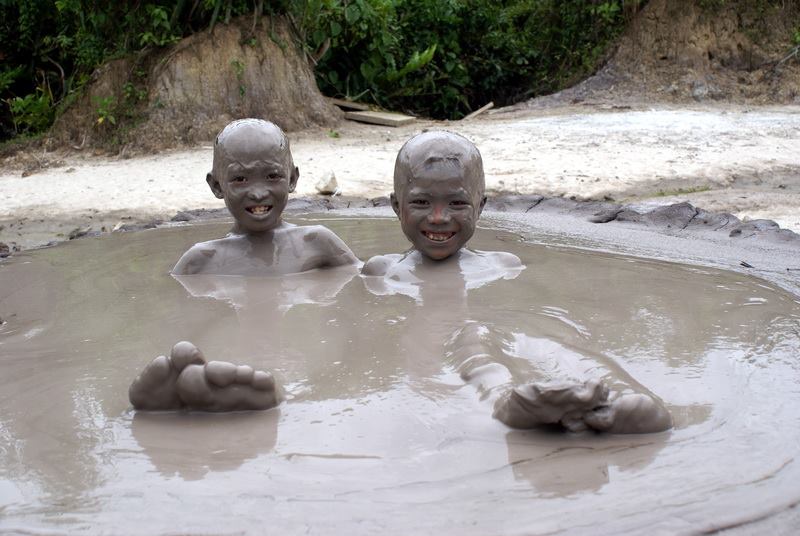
<point>676,219</point>
<point>671,219</point>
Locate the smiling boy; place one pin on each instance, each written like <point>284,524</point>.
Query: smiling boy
<point>438,197</point>
<point>253,171</point>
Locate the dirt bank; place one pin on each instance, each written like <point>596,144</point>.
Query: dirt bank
<point>183,94</point>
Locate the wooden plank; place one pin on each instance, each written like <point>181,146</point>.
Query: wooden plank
<point>479,111</point>
<point>348,105</point>
<point>388,119</point>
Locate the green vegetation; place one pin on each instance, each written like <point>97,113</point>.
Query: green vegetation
<point>441,58</point>
<point>444,58</point>
<point>33,112</point>
<point>105,111</point>
<point>238,69</point>
<point>49,48</point>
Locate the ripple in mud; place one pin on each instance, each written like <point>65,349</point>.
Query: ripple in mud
<point>378,433</point>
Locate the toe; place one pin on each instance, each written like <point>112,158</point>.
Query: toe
<point>154,388</point>
<point>263,381</point>
<point>185,353</point>
<point>244,374</point>
<point>221,373</point>
<point>156,371</point>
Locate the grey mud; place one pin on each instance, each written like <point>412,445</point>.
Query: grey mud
<point>379,430</point>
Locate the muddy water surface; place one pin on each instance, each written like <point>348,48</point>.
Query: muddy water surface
<point>378,432</point>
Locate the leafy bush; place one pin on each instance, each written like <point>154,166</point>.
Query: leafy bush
<point>49,48</point>
<point>31,113</point>
<point>440,58</point>
<point>446,57</point>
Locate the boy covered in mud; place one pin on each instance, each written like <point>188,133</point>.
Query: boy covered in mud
<point>438,197</point>
<point>253,171</point>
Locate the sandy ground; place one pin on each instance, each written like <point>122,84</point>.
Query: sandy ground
<point>722,158</point>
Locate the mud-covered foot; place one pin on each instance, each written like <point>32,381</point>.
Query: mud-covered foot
<point>630,414</point>
<point>564,402</point>
<point>223,386</point>
<point>156,387</point>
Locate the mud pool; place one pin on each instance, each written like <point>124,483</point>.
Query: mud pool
<point>378,432</point>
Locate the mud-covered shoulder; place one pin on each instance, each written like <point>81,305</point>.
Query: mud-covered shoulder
<point>380,264</point>
<point>504,259</point>
<point>196,259</point>
<point>331,248</point>
<point>482,260</point>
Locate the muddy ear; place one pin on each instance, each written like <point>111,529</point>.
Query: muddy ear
<point>395,203</point>
<point>293,178</point>
<point>213,183</point>
<point>483,204</point>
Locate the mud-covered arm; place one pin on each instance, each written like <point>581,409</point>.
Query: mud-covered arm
<point>194,261</point>
<point>545,392</point>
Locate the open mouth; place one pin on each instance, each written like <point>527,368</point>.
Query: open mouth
<point>438,237</point>
<point>259,210</point>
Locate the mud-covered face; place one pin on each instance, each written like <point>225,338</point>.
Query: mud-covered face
<point>255,184</point>
<point>438,210</point>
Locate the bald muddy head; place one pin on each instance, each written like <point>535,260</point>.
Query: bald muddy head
<point>253,172</point>
<point>438,192</point>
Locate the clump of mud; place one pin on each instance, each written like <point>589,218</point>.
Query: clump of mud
<point>186,93</point>
<point>740,51</point>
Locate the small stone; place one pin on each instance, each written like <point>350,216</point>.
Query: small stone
<point>183,216</point>
<point>328,185</point>
<point>78,232</point>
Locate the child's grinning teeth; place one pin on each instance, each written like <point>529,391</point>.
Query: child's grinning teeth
<point>258,210</point>
<point>438,237</point>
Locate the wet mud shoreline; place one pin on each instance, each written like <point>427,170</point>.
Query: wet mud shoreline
<point>678,232</point>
